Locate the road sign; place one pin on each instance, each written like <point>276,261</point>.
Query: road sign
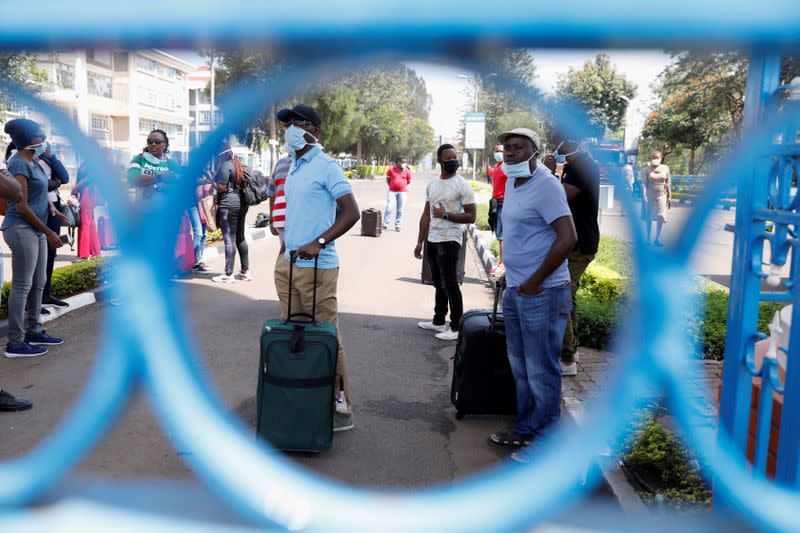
<point>474,131</point>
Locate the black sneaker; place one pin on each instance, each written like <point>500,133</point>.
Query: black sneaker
<point>44,311</point>
<point>509,437</point>
<point>54,301</point>
<point>9,402</point>
<point>201,268</point>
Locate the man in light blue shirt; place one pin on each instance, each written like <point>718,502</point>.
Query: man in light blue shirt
<point>320,208</point>
<point>538,233</point>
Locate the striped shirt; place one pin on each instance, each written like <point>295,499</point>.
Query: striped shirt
<point>276,191</point>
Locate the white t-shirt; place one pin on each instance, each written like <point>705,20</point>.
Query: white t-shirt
<point>453,194</point>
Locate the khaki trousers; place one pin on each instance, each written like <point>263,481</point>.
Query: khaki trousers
<point>578,263</point>
<point>327,307</point>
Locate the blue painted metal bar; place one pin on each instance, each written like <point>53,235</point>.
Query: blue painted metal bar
<point>745,285</point>
<point>348,25</point>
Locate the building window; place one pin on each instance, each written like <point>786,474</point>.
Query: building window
<point>99,56</point>
<point>217,117</point>
<point>99,85</point>
<point>148,65</point>
<point>120,61</point>
<point>165,101</point>
<point>100,122</point>
<point>202,97</point>
<point>203,136</point>
<point>205,117</point>
<point>65,76</point>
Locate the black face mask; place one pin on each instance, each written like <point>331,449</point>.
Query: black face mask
<point>450,167</point>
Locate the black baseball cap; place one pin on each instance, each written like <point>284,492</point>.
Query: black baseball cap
<point>301,111</point>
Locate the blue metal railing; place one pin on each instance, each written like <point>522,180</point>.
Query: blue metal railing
<point>154,348</point>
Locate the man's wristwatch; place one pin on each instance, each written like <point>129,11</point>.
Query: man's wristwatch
<point>444,216</point>
<point>322,242</point>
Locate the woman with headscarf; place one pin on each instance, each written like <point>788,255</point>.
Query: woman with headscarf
<point>231,214</point>
<point>26,233</point>
<point>88,237</point>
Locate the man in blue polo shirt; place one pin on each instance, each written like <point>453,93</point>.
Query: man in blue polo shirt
<point>538,233</point>
<point>315,187</point>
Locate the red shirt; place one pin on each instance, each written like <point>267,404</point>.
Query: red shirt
<point>399,178</point>
<point>498,181</point>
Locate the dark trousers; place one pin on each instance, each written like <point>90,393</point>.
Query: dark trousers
<point>232,224</point>
<point>54,224</point>
<point>443,259</point>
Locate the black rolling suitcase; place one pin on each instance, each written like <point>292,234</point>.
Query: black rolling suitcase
<point>371,222</point>
<point>482,379</point>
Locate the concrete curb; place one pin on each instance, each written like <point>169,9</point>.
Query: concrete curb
<point>484,252</point>
<point>607,466</point>
<point>98,294</point>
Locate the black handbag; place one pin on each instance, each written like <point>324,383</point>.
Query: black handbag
<point>72,213</point>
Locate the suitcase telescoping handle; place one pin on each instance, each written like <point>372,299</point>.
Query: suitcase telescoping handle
<point>312,318</point>
<point>493,321</point>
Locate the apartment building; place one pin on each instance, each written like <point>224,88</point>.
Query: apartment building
<point>118,97</point>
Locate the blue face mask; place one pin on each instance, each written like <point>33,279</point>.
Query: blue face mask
<point>295,138</point>
<point>560,158</point>
<point>39,150</point>
<point>518,170</point>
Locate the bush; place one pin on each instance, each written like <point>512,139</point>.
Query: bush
<point>478,186</point>
<point>615,254</point>
<point>482,217</point>
<point>661,461</point>
<point>365,171</point>
<point>598,320</point>
<point>69,280</point>
<point>348,174</point>
<point>494,247</point>
<point>213,236</point>
<point>602,283</point>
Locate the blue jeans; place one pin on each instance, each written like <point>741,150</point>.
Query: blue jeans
<point>534,331</point>
<point>394,199</point>
<point>198,234</point>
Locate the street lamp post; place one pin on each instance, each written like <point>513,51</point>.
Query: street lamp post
<point>474,151</point>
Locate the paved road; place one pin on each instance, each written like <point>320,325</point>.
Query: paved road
<point>405,435</point>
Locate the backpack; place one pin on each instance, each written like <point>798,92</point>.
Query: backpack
<point>254,188</point>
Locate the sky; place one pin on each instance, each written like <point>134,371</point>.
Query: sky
<point>449,95</point>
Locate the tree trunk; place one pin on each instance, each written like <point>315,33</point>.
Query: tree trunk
<point>273,135</point>
<point>692,153</point>
<point>359,160</point>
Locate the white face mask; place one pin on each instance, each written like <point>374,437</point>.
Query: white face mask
<point>295,138</point>
<point>404,166</point>
<point>518,170</point>
<point>498,156</point>
<point>656,162</point>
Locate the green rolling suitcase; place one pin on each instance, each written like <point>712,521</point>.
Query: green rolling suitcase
<point>297,373</point>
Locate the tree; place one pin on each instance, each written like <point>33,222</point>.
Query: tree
<point>376,113</point>
<point>603,91</point>
<point>20,67</point>
<point>702,104</point>
<point>504,107</point>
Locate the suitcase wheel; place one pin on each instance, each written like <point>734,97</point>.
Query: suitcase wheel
<point>459,415</point>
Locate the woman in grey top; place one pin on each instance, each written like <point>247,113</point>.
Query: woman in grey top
<point>231,214</point>
<point>26,233</point>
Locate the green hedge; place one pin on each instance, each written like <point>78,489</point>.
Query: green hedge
<point>68,280</point>
<point>482,217</point>
<point>658,457</point>
<point>213,236</point>
<point>604,289</point>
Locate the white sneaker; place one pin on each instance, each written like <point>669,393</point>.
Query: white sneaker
<point>448,335</point>
<point>244,276</point>
<point>432,327</point>
<point>569,370</point>
<point>222,278</point>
